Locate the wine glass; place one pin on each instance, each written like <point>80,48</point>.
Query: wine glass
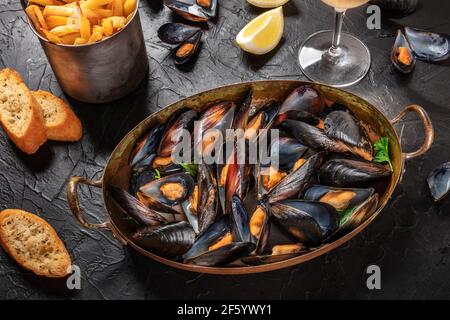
<point>334,57</point>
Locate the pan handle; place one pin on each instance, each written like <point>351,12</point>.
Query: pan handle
<point>74,204</point>
<point>428,127</point>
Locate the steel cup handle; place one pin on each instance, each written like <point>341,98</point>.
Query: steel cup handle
<point>428,127</point>
<point>74,204</point>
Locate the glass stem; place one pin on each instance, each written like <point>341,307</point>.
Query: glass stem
<point>339,17</point>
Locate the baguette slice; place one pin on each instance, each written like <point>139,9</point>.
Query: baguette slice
<point>20,114</point>
<point>61,122</point>
<point>33,244</point>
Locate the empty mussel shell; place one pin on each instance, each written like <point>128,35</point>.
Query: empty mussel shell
<point>170,241</point>
<point>402,56</point>
<point>439,181</point>
<point>428,46</point>
<point>176,33</point>
<point>186,50</point>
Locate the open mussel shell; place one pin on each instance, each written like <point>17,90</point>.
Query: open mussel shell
<point>135,209</point>
<point>340,198</point>
<point>176,126</point>
<point>439,181</point>
<point>140,178</point>
<point>219,230</point>
<point>354,217</point>
<point>146,147</point>
<point>289,151</point>
<point>186,50</point>
<point>342,126</point>
<point>170,241</point>
<point>176,33</point>
<point>279,253</point>
<point>240,221</point>
<point>308,221</point>
<point>298,180</point>
<point>170,190</point>
<point>207,193</point>
<point>260,227</point>
<point>263,119</point>
<point>396,8</point>
<point>402,55</point>
<point>302,103</point>
<point>243,114</point>
<point>351,173</point>
<point>193,10</point>
<point>428,46</point>
<point>224,255</point>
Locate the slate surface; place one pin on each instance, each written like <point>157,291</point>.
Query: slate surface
<point>409,241</point>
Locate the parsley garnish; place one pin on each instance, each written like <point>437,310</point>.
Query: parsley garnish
<point>381,148</point>
<point>158,174</point>
<point>191,168</point>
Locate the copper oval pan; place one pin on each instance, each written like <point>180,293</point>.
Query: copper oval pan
<point>117,171</point>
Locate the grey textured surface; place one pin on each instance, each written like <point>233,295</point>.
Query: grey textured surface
<point>409,241</point>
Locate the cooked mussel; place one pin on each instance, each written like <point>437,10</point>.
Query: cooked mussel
<point>240,221</point>
<point>342,126</point>
<point>186,50</point>
<point>260,227</point>
<point>289,151</point>
<point>439,181</point>
<point>146,147</point>
<point>224,255</point>
<point>402,55</point>
<point>135,209</point>
<point>340,198</point>
<point>304,103</point>
<point>140,178</point>
<point>279,253</point>
<point>396,8</point>
<point>207,197</point>
<point>194,10</point>
<point>263,119</point>
<point>308,221</point>
<point>190,209</point>
<point>298,180</point>
<point>352,218</point>
<point>176,33</point>
<point>170,241</point>
<point>243,114</point>
<point>351,173</point>
<point>428,46</point>
<point>170,190</point>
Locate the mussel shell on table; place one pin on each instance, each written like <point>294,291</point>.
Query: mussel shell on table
<point>187,49</point>
<point>176,33</point>
<point>428,46</point>
<point>193,10</point>
<point>402,55</point>
<point>439,181</point>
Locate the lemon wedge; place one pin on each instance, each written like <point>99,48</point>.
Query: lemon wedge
<point>267,3</point>
<point>263,33</point>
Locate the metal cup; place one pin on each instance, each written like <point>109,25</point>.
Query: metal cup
<point>103,71</point>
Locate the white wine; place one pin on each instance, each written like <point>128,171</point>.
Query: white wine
<point>345,4</point>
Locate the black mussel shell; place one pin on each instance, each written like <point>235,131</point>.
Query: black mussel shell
<point>182,120</point>
<point>339,198</point>
<point>289,151</point>
<point>341,125</point>
<point>146,147</point>
<point>307,221</point>
<point>207,190</point>
<point>190,209</point>
<point>428,46</point>
<point>439,181</point>
<point>209,237</point>
<point>176,33</point>
<point>244,112</point>
<point>193,10</point>
<point>263,119</point>
<point>240,221</point>
<point>260,227</point>
<point>396,8</point>
<point>402,56</point>
<point>140,178</point>
<point>313,137</point>
<point>353,218</point>
<point>135,209</point>
<point>170,190</point>
<point>298,180</point>
<point>256,260</point>
<point>224,255</point>
<point>186,50</point>
<point>351,173</point>
<point>305,99</point>
<point>169,241</point>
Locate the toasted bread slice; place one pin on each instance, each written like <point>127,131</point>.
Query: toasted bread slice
<point>61,122</point>
<point>33,243</point>
<point>20,114</point>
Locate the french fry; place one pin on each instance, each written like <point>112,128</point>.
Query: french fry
<point>50,36</point>
<point>118,22</point>
<point>79,41</point>
<point>104,13</point>
<point>70,38</point>
<point>91,4</point>
<point>117,6</point>
<point>98,29</point>
<point>62,31</point>
<point>55,21</point>
<point>44,3</point>
<point>59,11</point>
<point>40,17</point>
<point>107,27</point>
<point>95,36</point>
<point>85,25</point>
<point>32,15</point>
<point>128,7</point>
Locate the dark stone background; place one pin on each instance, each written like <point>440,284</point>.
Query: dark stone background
<point>410,240</point>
